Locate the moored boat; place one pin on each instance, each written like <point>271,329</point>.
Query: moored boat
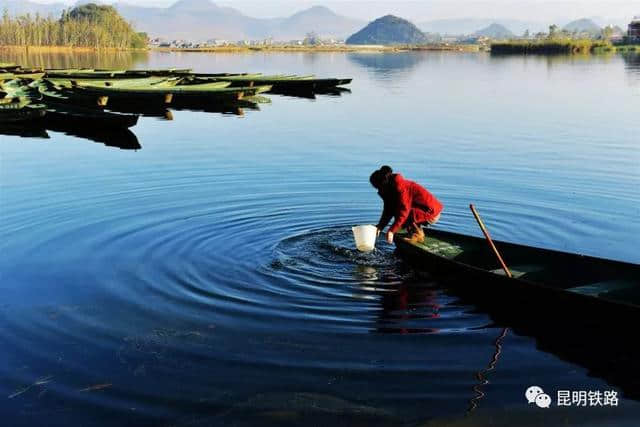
<point>20,110</point>
<point>85,74</point>
<point>143,94</point>
<point>210,91</point>
<point>285,83</point>
<point>53,95</point>
<point>9,66</point>
<point>169,72</point>
<point>115,83</point>
<point>15,75</point>
<point>560,283</point>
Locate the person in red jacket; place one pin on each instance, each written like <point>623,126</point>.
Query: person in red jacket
<point>408,202</point>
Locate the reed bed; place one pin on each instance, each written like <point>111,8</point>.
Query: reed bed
<point>550,47</point>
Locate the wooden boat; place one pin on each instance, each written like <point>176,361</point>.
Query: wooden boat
<point>218,75</point>
<point>115,83</point>
<point>86,74</point>
<point>11,100</point>
<point>147,95</point>
<point>209,91</point>
<point>89,74</point>
<point>20,88</point>
<point>164,91</point>
<point>8,66</point>
<point>67,70</point>
<point>553,283</point>
<point>20,110</point>
<point>287,83</point>
<point>28,76</point>
<point>169,72</point>
<point>53,95</point>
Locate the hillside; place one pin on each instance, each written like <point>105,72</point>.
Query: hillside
<point>583,26</point>
<point>22,7</point>
<point>470,25</point>
<point>495,31</point>
<point>89,25</point>
<point>388,30</point>
<point>193,20</point>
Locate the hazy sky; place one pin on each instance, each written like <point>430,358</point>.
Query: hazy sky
<point>532,10</point>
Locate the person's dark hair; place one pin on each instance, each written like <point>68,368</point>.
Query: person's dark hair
<point>380,178</point>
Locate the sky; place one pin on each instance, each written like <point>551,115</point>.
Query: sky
<point>530,10</point>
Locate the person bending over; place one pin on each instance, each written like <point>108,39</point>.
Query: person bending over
<point>408,202</point>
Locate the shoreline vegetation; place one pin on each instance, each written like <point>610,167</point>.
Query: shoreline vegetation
<point>65,49</point>
<point>89,25</point>
<point>558,47</point>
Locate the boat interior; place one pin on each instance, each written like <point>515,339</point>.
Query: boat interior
<point>613,280</point>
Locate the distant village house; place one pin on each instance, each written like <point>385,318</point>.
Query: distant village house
<point>634,30</point>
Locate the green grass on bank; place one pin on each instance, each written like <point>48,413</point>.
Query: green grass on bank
<point>551,46</point>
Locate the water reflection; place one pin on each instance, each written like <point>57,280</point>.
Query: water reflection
<point>209,271</point>
<point>403,309</point>
<point>312,94</point>
<point>150,110</point>
<point>34,131</point>
<point>119,138</point>
<point>605,352</point>
<point>632,63</point>
<point>482,374</point>
<point>387,64</point>
<point>236,108</point>
<point>123,139</point>
<point>63,58</point>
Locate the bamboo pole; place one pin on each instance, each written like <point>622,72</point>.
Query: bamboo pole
<point>486,234</point>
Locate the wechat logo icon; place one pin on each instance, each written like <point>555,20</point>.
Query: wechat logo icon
<point>535,394</point>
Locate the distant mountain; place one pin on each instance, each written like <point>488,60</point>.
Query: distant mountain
<point>192,6</point>
<point>583,26</point>
<point>194,20</point>
<point>202,19</point>
<point>495,31</point>
<point>471,25</point>
<point>318,19</point>
<point>388,30</point>
<point>21,7</point>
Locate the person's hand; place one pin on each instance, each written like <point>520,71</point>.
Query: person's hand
<point>389,237</point>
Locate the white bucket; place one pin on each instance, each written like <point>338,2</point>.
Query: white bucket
<point>365,236</point>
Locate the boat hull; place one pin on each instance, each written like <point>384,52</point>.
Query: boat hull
<point>556,299</point>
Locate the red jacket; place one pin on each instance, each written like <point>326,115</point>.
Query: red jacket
<point>407,200</point>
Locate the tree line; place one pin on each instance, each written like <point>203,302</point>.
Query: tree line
<point>89,25</point>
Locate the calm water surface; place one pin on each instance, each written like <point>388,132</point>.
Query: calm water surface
<point>208,277</point>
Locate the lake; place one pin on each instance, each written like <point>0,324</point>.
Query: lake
<point>201,270</point>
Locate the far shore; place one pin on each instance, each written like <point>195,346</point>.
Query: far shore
<point>263,49</point>
<point>325,48</point>
<point>66,49</point>
<point>513,47</point>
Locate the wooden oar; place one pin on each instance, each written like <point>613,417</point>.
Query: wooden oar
<point>486,234</point>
